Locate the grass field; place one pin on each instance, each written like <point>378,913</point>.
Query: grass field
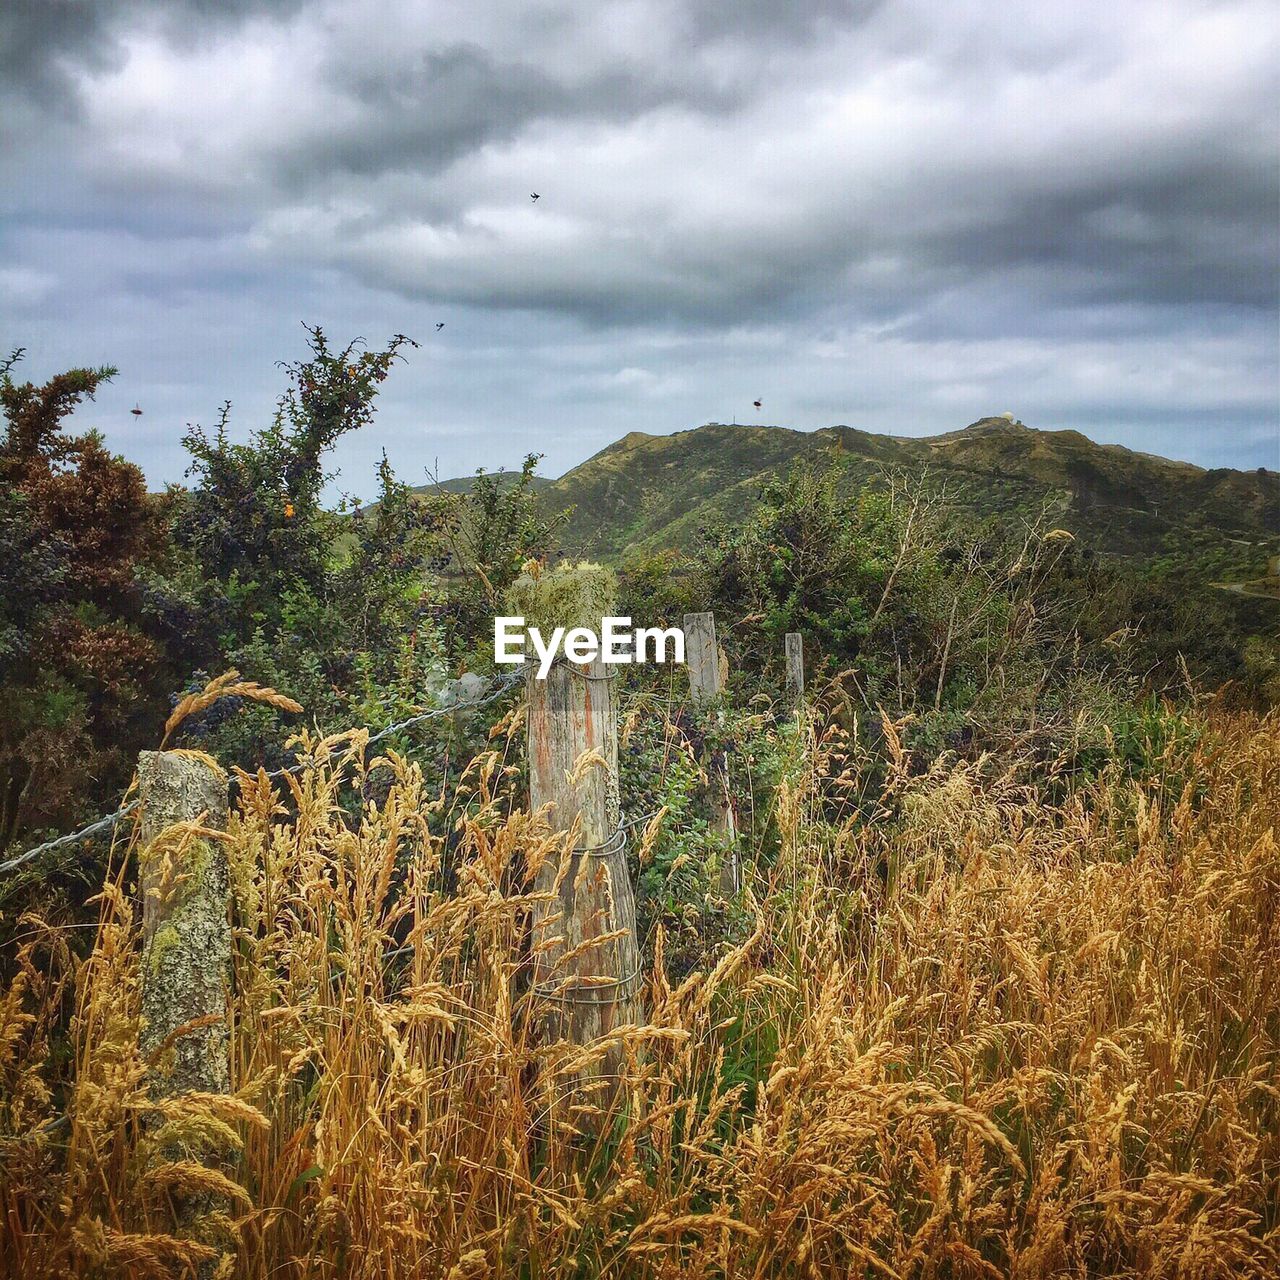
<point>982,1034</point>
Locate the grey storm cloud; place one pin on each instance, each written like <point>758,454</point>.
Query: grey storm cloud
<point>799,22</point>
<point>894,214</point>
<point>44,42</point>
<point>446,102</point>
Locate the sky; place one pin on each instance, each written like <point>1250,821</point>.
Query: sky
<point>895,214</point>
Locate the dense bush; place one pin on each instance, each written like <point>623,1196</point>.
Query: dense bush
<point>334,608</point>
<point>82,673</point>
<point>973,633</point>
<point>486,533</point>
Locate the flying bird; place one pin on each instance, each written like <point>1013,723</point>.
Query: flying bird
<point>439,325</point>
<point>136,411</point>
<point>534,196</point>
<point>758,403</point>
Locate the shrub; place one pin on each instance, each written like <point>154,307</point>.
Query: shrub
<point>82,674</point>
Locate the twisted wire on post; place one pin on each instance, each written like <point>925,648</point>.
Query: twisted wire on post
<point>615,842</point>
<point>580,993</point>
<point>105,824</point>
<point>583,988</point>
<point>562,661</point>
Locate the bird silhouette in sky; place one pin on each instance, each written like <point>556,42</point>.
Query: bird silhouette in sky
<point>439,325</point>
<point>758,403</point>
<point>136,411</point>
<point>534,196</point>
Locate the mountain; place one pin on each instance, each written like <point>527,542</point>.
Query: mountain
<point>648,492</point>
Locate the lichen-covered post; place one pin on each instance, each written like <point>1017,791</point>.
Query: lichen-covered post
<point>186,932</point>
<point>708,671</point>
<point>585,990</point>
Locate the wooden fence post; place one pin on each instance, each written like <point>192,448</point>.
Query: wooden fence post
<point>706,682</point>
<point>186,933</point>
<point>573,771</point>
<point>795,670</point>
<point>702,656</point>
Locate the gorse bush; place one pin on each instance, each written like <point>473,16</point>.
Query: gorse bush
<point>82,671</point>
<point>254,513</point>
<point>113,596</point>
<point>986,1036</point>
<point>264,553</point>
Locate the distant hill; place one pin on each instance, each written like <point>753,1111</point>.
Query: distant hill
<point>648,492</point>
<point>464,484</point>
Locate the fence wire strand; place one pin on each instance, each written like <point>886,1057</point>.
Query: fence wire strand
<point>497,688</point>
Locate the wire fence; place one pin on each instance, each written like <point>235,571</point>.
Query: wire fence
<point>496,688</point>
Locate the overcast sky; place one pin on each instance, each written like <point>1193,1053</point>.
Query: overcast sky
<point>896,214</point>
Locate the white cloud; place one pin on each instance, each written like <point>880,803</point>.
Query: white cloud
<point>25,286</point>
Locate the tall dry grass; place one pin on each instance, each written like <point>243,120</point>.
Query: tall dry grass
<point>985,1036</point>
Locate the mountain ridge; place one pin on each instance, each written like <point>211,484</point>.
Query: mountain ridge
<point>648,492</point>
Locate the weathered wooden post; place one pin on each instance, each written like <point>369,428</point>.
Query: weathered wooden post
<point>795,670</point>
<point>186,932</point>
<point>702,656</point>
<point>707,673</point>
<point>587,989</point>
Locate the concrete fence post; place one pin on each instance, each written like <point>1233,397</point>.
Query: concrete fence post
<point>708,671</point>
<point>186,932</point>
<point>186,947</point>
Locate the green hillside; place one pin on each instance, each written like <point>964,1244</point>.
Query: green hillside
<point>649,492</point>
